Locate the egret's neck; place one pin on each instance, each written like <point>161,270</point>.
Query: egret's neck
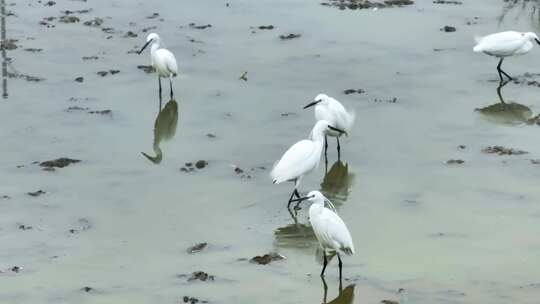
<point>316,208</point>
<point>154,47</point>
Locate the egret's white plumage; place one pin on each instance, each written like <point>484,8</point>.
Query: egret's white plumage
<point>505,44</point>
<point>330,230</point>
<point>331,110</point>
<point>302,157</point>
<point>163,61</point>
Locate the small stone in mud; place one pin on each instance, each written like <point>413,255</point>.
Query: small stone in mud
<point>189,164</point>
<point>201,275</point>
<point>146,29</point>
<point>49,3</point>
<point>130,34</point>
<point>8,44</point>
<point>462,147</point>
<point>243,77</point>
<point>389,302</point>
<point>16,269</point>
<point>94,57</point>
<point>69,19</point>
<point>146,68</point>
<point>24,227</point>
<point>87,289</point>
<point>36,193</point>
<point>266,27</point>
<point>238,170</point>
<point>192,300</point>
<point>199,27</point>
<point>94,22</point>
<point>5,197</point>
<point>267,258</point>
<point>59,162</point>
<point>448,29</point>
<point>153,16</point>
<point>390,100</point>
<point>289,36</point>
<point>535,161</point>
<point>114,72</point>
<point>352,91</point>
<point>211,135</point>
<point>197,248</point>
<point>201,164</point>
<point>455,162</point>
<point>102,73</point>
<point>500,150</point>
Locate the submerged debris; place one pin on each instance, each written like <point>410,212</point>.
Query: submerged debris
<point>267,258</point>
<point>365,4</point>
<point>201,164</point>
<point>500,150</point>
<point>79,79</point>
<point>87,289</point>
<point>192,300</point>
<point>447,2</point>
<point>8,44</point>
<point>36,193</point>
<point>130,34</point>
<point>197,248</point>
<point>94,22</point>
<point>146,68</point>
<point>352,91</point>
<point>199,27</point>
<point>448,29</point>
<point>243,77</point>
<point>24,227</point>
<point>455,162</point>
<point>289,36</point>
<point>59,162</point>
<point>389,302</point>
<point>69,19</point>
<point>16,269</point>
<point>201,276</point>
<point>266,27</point>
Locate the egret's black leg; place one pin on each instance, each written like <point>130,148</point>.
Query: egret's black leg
<point>338,149</point>
<point>159,81</point>
<point>297,196</point>
<point>340,266</point>
<point>170,83</point>
<point>501,72</point>
<point>290,199</point>
<point>325,262</point>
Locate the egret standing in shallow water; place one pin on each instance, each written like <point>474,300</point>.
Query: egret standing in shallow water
<point>331,110</point>
<point>329,228</point>
<point>301,158</point>
<point>163,61</point>
<point>505,44</point>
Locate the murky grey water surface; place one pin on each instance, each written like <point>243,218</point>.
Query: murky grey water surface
<point>444,233</point>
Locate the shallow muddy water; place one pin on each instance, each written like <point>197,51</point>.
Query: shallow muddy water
<point>425,231</point>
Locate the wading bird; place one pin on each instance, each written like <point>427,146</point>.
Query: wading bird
<point>331,110</point>
<point>505,44</point>
<point>301,158</point>
<point>163,61</point>
<point>329,228</point>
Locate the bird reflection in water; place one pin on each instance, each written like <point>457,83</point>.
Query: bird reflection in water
<point>164,129</point>
<point>506,113</point>
<point>337,182</point>
<point>296,235</point>
<point>345,296</point>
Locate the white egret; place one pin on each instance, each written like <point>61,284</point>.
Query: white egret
<point>329,228</point>
<point>301,158</point>
<point>505,44</point>
<point>163,61</point>
<point>331,110</point>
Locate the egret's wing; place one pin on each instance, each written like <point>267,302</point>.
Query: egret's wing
<point>168,59</point>
<point>500,44</point>
<point>337,231</point>
<point>343,118</point>
<point>297,161</point>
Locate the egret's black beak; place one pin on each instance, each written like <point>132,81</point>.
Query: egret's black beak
<point>144,46</point>
<point>537,41</point>
<point>337,130</point>
<point>301,199</point>
<point>312,104</point>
